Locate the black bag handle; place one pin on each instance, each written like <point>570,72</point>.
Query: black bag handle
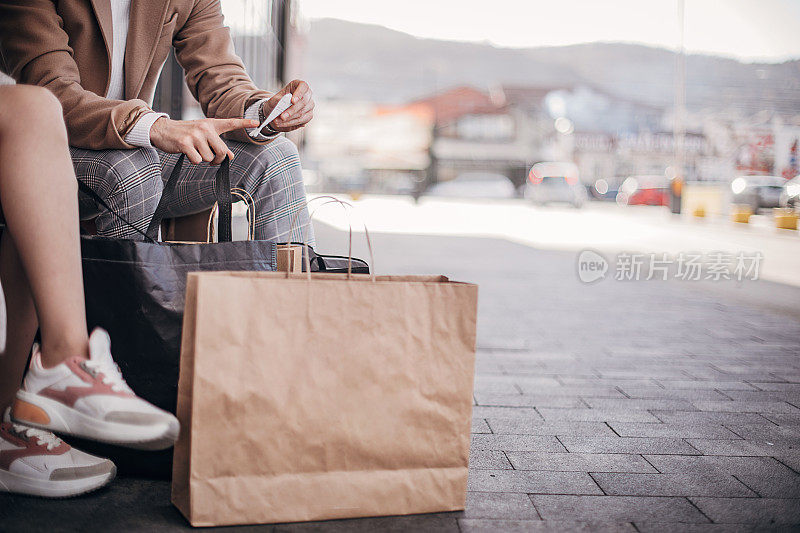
<point>222,190</point>
<point>223,193</point>
<point>85,189</point>
<point>224,203</point>
<point>166,195</point>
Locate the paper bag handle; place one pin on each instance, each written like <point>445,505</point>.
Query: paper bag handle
<point>307,255</point>
<point>251,219</point>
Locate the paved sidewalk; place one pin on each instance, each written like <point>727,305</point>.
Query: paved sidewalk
<point>649,406</point>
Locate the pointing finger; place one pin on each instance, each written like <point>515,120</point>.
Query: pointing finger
<point>222,125</point>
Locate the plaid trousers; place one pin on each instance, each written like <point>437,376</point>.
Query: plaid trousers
<point>131,181</point>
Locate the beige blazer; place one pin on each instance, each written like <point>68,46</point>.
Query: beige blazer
<point>65,45</point>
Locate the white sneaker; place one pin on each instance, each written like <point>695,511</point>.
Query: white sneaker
<point>37,463</point>
<point>88,398</point>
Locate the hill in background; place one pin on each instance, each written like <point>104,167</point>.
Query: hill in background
<point>361,61</point>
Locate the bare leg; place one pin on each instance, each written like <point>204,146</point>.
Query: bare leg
<point>21,322</point>
<point>38,192</point>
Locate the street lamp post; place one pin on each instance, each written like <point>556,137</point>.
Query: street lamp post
<point>679,116</point>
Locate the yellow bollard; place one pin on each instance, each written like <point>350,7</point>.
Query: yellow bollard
<point>785,218</point>
<point>741,213</point>
<point>699,211</point>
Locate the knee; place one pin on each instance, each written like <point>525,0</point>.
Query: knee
<point>285,150</point>
<point>281,152</point>
<point>30,99</point>
<point>127,170</point>
<point>40,107</point>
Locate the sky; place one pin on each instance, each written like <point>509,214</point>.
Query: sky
<point>750,30</point>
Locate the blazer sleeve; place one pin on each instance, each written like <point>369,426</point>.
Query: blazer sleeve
<point>35,50</point>
<point>214,73</point>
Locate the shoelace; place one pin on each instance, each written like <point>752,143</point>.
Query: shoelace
<point>111,373</point>
<point>43,437</point>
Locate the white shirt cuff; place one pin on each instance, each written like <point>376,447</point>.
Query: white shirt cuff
<point>251,113</point>
<point>140,132</point>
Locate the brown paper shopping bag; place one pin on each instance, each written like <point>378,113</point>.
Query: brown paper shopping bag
<point>317,397</point>
<point>289,258</point>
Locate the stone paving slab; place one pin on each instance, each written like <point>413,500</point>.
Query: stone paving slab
<point>580,462</point>
<point>620,383</point>
<point>582,391</point>
<point>552,526</point>
<point>500,505</point>
<point>527,400</point>
<point>539,427</point>
<point>661,527</point>
<point>517,443</point>
<point>488,459</point>
<point>701,417</point>
<point>531,482</point>
<point>523,413</point>
<point>777,484</point>
<point>746,406</point>
<point>642,405</point>
<point>497,387</point>
<point>479,425</point>
<point>788,435</point>
<point>677,394</point>
<point>766,467</point>
<point>618,509</point>
<point>641,429</point>
<point>739,447</point>
<point>790,459</point>
<point>627,445</point>
<point>596,415</point>
<point>763,511</point>
<point>778,387</point>
<point>783,419</point>
<point>791,397</point>
<point>702,384</point>
<point>617,484</point>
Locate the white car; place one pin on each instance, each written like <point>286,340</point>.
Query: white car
<point>790,197</point>
<point>551,182</point>
<point>474,185</point>
<point>757,191</point>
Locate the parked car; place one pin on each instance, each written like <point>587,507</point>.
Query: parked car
<point>790,197</point>
<point>550,182</point>
<point>474,185</point>
<point>758,191</point>
<point>605,189</point>
<point>644,190</point>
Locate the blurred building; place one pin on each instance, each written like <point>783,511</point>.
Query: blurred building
<point>261,34</point>
<point>512,127</point>
<point>407,148</point>
<point>359,146</point>
<point>475,132</point>
<point>766,148</point>
<point>614,156</point>
<point>464,132</point>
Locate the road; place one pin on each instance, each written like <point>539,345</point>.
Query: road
<point>605,227</point>
<point>608,406</point>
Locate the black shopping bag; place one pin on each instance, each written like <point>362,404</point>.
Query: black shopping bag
<point>136,289</point>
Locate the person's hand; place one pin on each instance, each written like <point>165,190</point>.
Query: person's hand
<point>298,114</point>
<point>198,139</point>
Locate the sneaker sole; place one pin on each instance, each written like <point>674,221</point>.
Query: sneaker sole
<point>64,419</point>
<point>43,488</point>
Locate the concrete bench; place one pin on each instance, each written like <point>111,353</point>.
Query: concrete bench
<point>188,228</point>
